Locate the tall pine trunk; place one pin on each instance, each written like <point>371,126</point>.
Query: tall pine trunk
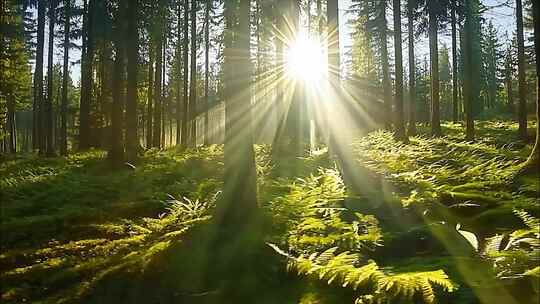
<point>87,77</point>
<point>11,127</point>
<point>240,176</point>
<point>48,117</point>
<point>179,75</point>
<point>65,76</point>
<point>116,152</point>
<point>156,143</point>
<point>193,78</point>
<point>522,108</point>
<point>455,99</point>
<point>387,86</point>
<point>412,70</point>
<point>149,106</point>
<point>533,162</point>
<point>467,70</point>
<point>434,64</point>
<point>398,98</point>
<point>206,68</point>
<point>185,57</point>
<point>37,131</point>
<point>132,37</point>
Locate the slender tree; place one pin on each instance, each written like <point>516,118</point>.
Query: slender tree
<point>193,77</point>
<point>522,83</point>
<point>434,64</point>
<point>533,162</point>
<point>387,85</point>
<point>240,176</point>
<point>454,62</point>
<point>412,68</point>
<point>156,143</point>
<point>48,113</point>
<point>87,78</point>
<point>206,67</point>
<point>116,152</point>
<point>38,80</point>
<point>150,100</point>
<point>467,49</point>
<point>132,52</point>
<point>179,73</point>
<point>185,108</point>
<point>65,77</point>
<point>398,97</point>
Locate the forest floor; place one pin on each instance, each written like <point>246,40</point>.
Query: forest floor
<point>74,231</point>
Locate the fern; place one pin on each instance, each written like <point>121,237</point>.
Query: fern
<point>349,270</point>
<point>518,254</point>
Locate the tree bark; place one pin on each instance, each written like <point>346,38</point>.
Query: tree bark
<point>467,71</point>
<point>149,106</point>
<point>116,152</point>
<point>48,117</point>
<point>37,130</point>
<point>398,97</point>
<point>434,63</point>
<point>179,75</point>
<point>206,67</point>
<point>387,86</point>
<point>533,162</point>
<point>87,77</point>
<point>412,70</point>
<point>65,76</point>
<point>156,143</point>
<point>132,37</point>
<point>522,108</point>
<point>11,127</point>
<point>240,176</point>
<point>193,78</point>
<point>185,112</point>
<point>455,99</point>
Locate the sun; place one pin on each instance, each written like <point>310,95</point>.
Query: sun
<point>305,59</point>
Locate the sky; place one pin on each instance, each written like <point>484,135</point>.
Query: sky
<point>503,19</point>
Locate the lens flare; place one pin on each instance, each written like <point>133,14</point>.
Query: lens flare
<point>305,59</point>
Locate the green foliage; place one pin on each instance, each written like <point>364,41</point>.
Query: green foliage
<point>373,284</point>
<point>517,254</point>
<point>69,223</point>
<point>314,218</point>
<point>468,178</point>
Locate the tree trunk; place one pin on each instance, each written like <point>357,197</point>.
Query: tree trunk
<point>132,136</point>
<point>179,76</point>
<point>11,128</point>
<point>37,130</point>
<point>533,162</point>
<point>454,66</point>
<point>333,43</point>
<point>185,112</point>
<point>240,177</point>
<point>467,71</point>
<point>157,91</point>
<point>412,70</point>
<point>48,117</point>
<point>149,106</point>
<point>206,67</point>
<point>387,86</point>
<point>434,63</point>
<point>116,152</point>
<point>87,77</point>
<point>193,78</point>
<point>65,76</point>
<point>398,98</point>
<point>522,109</point>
